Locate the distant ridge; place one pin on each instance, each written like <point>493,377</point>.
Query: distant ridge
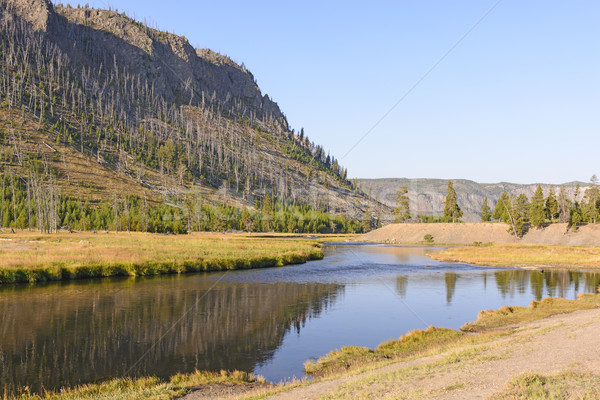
<point>427,195</point>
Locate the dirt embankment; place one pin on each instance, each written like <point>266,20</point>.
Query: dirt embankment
<point>467,233</point>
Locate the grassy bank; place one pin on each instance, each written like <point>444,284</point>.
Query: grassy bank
<point>216,383</point>
<point>504,316</point>
<point>520,255</point>
<point>28,257</point>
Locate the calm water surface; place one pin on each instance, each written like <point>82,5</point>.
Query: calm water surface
<point>267,321</point>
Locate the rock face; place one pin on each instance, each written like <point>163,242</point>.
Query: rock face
<point>180,73</point>
<point>427,195</point>
<point>36,12</point>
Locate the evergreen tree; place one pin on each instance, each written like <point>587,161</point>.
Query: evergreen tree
<point>402,212</point>
<point>576,216</point>
<point>536,209</point>
<point>501,210</point>
<point>521,214</point>
<point>451,209</point>
<point>486,213</point>
<point>551,205</point>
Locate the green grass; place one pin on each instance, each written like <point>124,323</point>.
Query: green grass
<point>149,387</point>
<point>31,257</point>
<point>566,385</point>
<point>504,316</point>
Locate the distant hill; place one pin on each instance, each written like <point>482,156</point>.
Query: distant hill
<point>427,195</point>
<point>97,106</point>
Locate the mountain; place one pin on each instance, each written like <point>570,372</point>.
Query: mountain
<point>96,106</point>
<point>426,196</point>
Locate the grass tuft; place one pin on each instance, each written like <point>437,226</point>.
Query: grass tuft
<point>566,385</point>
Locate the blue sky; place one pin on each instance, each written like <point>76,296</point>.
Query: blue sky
<point>517,100</point>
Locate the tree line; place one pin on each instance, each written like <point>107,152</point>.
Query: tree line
<point>36,203</point>
<point>521,212</point>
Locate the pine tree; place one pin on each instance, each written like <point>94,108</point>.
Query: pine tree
<point>451,209</point>
<point>536,209</point>
<point>521,214</point>
<point>402,212</point>
<point>551,205</point>
<point>502,209</point>
<point>486,213</point>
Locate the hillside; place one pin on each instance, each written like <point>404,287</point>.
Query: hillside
<point>427,195</point>
<point>468,233</point>
<point>98,106</point>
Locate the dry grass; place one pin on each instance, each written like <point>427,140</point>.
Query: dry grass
<point>523,255</point>
<point>215,383</point>
<point>29,257</point>
<point>566,385</point>
<point>414,343</point>
<point>505,316</point>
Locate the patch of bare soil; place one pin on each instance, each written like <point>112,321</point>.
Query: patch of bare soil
<point>568,342</point>
<point>467,233</point>
<point>224,390</point>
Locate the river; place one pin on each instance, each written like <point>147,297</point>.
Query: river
<point>268,321</point>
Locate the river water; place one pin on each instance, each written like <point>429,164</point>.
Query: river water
<point>268,321</point>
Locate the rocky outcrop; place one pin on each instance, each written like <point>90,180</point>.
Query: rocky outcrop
<point>38,13</point>
<point>179,73</point>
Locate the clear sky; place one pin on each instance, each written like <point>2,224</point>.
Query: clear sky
<point>518,99</point>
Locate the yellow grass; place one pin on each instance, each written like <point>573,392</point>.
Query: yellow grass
<point>523,255</point>
<point>156,388</point>
<point>35,257</point>
<point>505,316</point>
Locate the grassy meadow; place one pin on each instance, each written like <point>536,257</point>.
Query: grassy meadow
<point>519,255</point>
<point>34,257</point>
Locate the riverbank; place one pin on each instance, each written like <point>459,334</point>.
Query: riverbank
<point>33,257</point>
<point>483,232</point>
<point>523,256</point>
<point>543,351</point>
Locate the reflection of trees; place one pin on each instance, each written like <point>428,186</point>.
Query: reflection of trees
<point>401,285</point>
<point>553,283</point>
<point>80,333</point>
<point>536,279</point>
<point>450,278</point>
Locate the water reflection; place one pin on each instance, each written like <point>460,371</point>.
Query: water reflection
<point>552,283</point>
<point>68,334</point>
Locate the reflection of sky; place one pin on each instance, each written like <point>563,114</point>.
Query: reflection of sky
<point>390,291</point>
